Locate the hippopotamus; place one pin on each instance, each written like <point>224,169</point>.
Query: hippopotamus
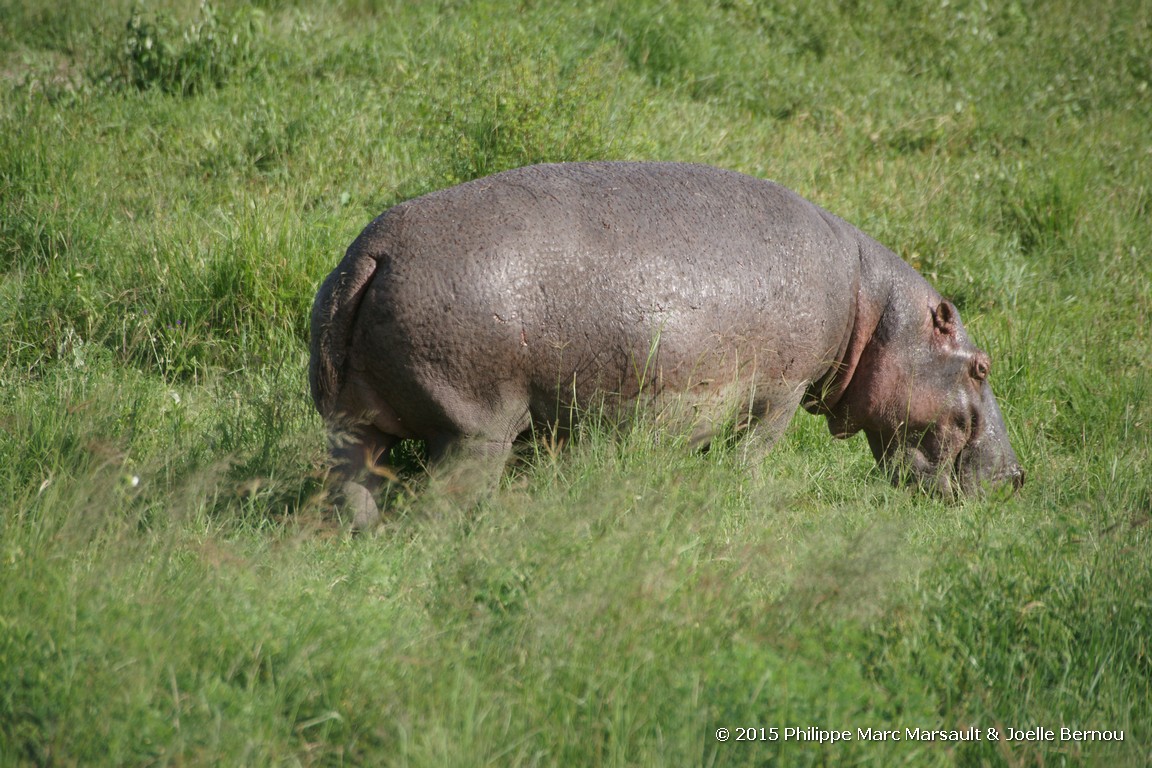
<point>471,316</point>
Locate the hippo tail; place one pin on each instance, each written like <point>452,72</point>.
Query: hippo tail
<point>333,317</point>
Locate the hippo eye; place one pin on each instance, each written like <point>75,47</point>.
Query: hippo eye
<point>980,367</point>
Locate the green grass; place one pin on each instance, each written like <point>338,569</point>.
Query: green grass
<point>177,178</point>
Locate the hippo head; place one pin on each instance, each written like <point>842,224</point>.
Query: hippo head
<point>920,393</point>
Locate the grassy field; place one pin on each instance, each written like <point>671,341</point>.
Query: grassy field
<point>177,178</point>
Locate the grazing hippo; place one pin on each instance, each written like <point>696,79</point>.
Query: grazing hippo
<point>467,316</point>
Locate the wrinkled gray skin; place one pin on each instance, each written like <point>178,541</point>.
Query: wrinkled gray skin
<point>465,317</point>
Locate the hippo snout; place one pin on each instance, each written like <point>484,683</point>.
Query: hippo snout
<point>988,459</point>
<point>1012,478</point>
<point>989,467</point>
<point>986,464</point>
<point>1007,482</point>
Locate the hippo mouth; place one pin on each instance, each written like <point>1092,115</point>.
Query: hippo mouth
<point>925,464</point>
<point>960,477</point>
<point>1007,478</point>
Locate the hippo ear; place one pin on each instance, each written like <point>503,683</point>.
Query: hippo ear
<point>944,318</point>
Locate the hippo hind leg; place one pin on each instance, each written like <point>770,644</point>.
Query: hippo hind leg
<point>464,469</point>
<point>358,454</point>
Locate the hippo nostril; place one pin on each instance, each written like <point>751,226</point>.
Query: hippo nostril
<point>1017,478</point>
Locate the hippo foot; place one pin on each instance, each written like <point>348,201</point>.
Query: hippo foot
<point>357,503</point>
<point>461,488</point>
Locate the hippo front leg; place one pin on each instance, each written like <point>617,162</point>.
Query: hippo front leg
<point>765,426</point>
<point>356,476</point>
